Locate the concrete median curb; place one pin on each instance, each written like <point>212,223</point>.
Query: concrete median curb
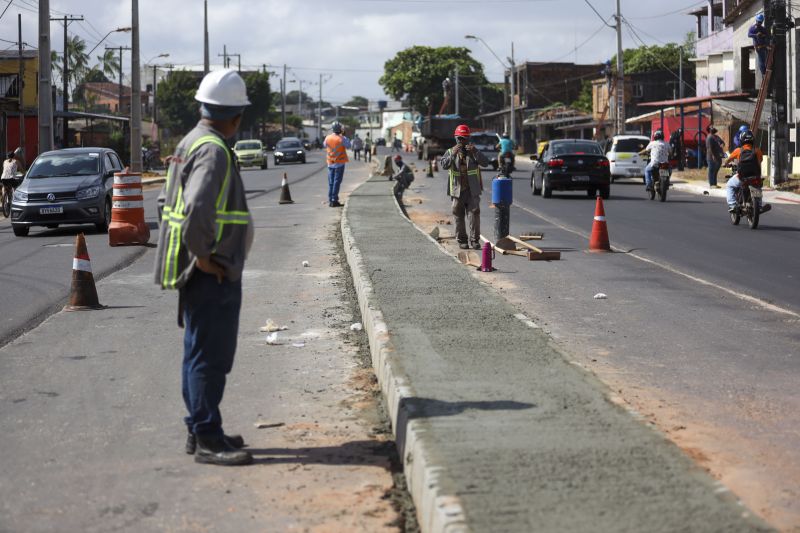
<point>436,512</point>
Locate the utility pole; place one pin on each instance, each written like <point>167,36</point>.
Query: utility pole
<point>680,93</point>
<point>457,91</point>
<point>120,49</point>
<point>239,57</point>
<point>206,60</point>
<point>319,111</point>
<point>136,92</point>
<point>224,55</point>
<point>45,100</point>
<point>780,127</point>
<point>65,78</point>
<point>513,94</point>
<point>21,89</point>
<point>620,126</point>
<point>283,102</point>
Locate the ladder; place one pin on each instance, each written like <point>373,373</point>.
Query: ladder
<point>762,91</point>
<point>601,122</point>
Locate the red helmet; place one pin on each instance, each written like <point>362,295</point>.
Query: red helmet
<point>462,131</point>
<point>397,159</point>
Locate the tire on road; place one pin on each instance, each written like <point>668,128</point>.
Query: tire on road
<point>20,231</point>
<point>547,191</point>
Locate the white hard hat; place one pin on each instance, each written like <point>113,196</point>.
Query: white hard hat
<point>224,88</point>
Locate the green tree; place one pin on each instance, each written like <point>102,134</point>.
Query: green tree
<point>177,107</point>
<point>584,101</point>
<point>77,62</point>
<point>417,73</point>
<point>79,94</point>
<point>648,58</point>
<point>258,92</point>
<point>294,97</point>
<point>358,101</point>
<point>108,64</point>
<point>294,121</point>
<point>350,123</point>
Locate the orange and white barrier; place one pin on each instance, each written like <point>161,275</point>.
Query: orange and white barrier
<point>127,211</point>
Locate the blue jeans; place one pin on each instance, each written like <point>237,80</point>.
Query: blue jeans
<point>713,169</point>
<point>648,176</point>
<point>335,176</point>
<point>762,59</point>
<point>211,319</point>
<point>730,190</point>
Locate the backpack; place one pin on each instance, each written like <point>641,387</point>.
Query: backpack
<point>748,164</point>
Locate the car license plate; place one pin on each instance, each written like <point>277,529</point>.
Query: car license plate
<point>755,193</point>
<point>664,173</point>
<point>580,178</point>
<point>51,210</point>
<point>634,171</point>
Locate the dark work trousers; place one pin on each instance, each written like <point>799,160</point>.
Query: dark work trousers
<point>211,320</point>
<point>469,207</point>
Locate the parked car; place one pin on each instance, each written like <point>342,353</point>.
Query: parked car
<point>569,165</point>
<point>486,142</point>
<point>623,156</point>
<point>250,153</point>
<point>289,149</point>
<point>69,186</point>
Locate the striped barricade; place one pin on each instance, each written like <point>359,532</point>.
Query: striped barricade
<point>127,211</point>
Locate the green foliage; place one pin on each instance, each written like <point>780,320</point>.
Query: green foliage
<point>177,108</point>
<point>358,101</point>
<point>417,73</point>
<point>584,101</point>
<point>650,58</point>
<point>350,123</point>
<point>293,97</point>
<point>258,92</point>
<point>77,61</point>
<point>294,121</point>
<point>108,63</point>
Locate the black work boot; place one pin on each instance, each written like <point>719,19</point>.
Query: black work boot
<point>234,441</point>
<point>215,451</point>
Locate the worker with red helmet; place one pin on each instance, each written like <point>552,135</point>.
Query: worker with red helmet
<point>463,163</point>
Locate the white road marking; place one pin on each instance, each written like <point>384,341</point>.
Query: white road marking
<point>669,268</point>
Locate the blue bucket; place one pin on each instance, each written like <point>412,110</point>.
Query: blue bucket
<point>502,192</point>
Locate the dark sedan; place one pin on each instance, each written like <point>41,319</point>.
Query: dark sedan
<point>571,165</point>
<point>70,186</point>
<point>289,149</point>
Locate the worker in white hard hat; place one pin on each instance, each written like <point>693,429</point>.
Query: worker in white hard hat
<point>205,234</point>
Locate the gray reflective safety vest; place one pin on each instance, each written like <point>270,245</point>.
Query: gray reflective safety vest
<point>175,261</point>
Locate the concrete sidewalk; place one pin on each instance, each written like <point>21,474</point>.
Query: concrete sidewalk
<point>771,196</point>
<point>497,431</point>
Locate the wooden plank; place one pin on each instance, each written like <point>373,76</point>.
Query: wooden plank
<point>525,244</point>
<point>543,256</point>
<point>532,236</point>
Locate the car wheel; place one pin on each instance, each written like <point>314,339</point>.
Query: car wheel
<point>303,160</point>
<point>264,165</point>
<point>102,226</point>
<point>612,179</point>
<point>605,192</point>
<point>495,166</point>
<point>21,231</point>
<point>536,190</point>
<point>277,162</point>
<point>547,191</point>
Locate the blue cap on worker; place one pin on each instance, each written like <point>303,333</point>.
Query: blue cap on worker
<point>760,17</point>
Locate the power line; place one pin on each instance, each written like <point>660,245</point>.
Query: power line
<point>696,4</point>
<point>598,14</point>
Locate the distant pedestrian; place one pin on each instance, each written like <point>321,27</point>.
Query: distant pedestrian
<point>205,235</point>
<point>368,149</point>
<point>358,145</point>
<point>465,186</point>
<point>397,145</point>
<point>676,147</point>
<point>336,145</point>
<point>761,41</point>
<point>714,155</point>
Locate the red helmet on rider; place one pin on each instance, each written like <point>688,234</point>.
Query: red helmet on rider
<point>462,131</point>
<point>398,159</point>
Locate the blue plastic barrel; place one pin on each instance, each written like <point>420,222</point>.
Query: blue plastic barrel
<point>501,191</point>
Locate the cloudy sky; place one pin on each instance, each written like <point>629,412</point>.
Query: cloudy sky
<point>349,40</point>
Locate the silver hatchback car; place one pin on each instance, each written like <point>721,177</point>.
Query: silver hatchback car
<point>70,186</point>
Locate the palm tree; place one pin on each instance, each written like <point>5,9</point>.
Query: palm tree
<point>77,61</point>
<point>109,64</point>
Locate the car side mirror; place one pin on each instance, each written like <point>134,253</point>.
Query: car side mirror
<point>110,174</point>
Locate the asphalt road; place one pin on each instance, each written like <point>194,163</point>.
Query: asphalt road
<point>35,271</point>
<point>687,336</point>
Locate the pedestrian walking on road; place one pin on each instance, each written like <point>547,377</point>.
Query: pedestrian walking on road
<point>714,155</point>
<point>205,235</point>
<point>358,145</point>
<point>336,145</point>
<point>368,149</point>
<point>463,162</point>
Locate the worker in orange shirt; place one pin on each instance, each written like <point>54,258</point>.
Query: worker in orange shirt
<point>336,145</point>
<point>749,166</point>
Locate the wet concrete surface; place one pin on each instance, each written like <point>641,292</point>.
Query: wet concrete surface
<point>522,438</point>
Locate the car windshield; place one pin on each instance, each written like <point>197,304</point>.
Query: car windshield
<point>49,166</point>
<point>629,145</point>
<point>247,146</point>
<point>577,148</point>
<point>288,144</point>
<point>484,140</point>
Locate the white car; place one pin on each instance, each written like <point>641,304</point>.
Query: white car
<point>624,157</point>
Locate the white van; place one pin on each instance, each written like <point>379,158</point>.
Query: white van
<point>624,157</point>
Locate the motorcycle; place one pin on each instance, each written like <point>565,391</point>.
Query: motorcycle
<point>151,158</point>
<point>507,167</point>
<point>661,177</point>
<point>749,200</point>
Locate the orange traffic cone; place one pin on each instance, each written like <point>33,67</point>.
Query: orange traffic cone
<point>286,197</point>
<point>599,240</point>
<point>83,294</point>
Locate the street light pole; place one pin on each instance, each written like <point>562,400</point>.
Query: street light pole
<point>45,101</point>
<point>136,92</point>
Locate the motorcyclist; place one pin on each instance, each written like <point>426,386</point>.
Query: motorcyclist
<point>659,153</point>
<point>749,166</point>
<point>505,146</point>
<point>403,177</point>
